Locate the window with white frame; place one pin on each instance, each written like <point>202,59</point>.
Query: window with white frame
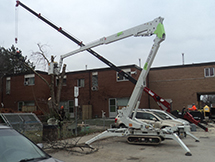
<point>67,105</point>
<point>29,79</point>
<point>121,77</point>
<point>94,80</point>
<point>209,72</point>
<point>8,85</point>
<point>80,82</point>
<point>26,106</point>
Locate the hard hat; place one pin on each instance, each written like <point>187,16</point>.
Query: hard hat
<point>61,107</point>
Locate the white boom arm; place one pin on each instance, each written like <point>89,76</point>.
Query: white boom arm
<point>146,29</point>
<point>135,127</point>
<point>125,112</point>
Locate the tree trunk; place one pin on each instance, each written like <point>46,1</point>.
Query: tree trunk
<point>60,84</point>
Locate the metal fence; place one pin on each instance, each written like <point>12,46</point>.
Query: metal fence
<point>22,122</point>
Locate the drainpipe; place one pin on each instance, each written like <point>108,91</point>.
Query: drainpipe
<point>89,87</point>
<point>2,103</point>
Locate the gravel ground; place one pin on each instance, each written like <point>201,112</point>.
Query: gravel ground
<point>115,149</point>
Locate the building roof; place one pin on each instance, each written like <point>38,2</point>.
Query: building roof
<point>182,66</point>
<point>107,68</point>
<point>127,66</point>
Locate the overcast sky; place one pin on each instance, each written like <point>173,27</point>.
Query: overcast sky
<point>189,26</point>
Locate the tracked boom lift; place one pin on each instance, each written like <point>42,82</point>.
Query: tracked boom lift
<point>137,132</point>
<point>54,68</point>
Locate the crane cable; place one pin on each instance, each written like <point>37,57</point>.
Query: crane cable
<point>16,25</point>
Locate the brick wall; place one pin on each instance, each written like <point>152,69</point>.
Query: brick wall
<point>181,84</point>
<point>38,92</point>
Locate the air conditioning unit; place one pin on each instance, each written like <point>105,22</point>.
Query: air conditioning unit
<point>94,88</point>
<point>26,83</point>
<point>134,72</point>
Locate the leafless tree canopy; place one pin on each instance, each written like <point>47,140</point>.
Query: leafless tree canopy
<point>40,57</point>
<point>208,99</point>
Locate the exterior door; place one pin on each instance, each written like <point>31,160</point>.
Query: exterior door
<point>112,107</point>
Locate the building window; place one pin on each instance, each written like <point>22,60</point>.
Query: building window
<point>71,106</point>
<point>64,81</point>
<point>68,106</point>
<point>122,78</point>
<point>20,104</point>
<point>80,82</point>
<point>8,85</point>
<point>26,106</point>
<point>29,79</point>
<point>122,102</point>
<point>209,72</point>
<point>95,81</point>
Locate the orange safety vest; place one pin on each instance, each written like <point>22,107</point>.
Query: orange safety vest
<point>193,108</point>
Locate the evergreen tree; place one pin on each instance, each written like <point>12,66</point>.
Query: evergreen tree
<point>13,62</point>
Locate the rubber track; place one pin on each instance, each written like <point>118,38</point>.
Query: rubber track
<point>148,140</point>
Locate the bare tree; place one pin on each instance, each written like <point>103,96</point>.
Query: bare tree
<point>71,145</point>
<point>41,58</point>
<point>208,99</point>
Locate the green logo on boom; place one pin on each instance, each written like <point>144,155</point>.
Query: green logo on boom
<point>120,33</point>
<point>145,66</point>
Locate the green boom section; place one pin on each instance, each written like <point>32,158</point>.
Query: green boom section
<point>145,66</point>
<point>159,30</point>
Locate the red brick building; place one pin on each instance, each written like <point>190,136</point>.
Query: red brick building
<point>183,84</point>
<point>24,90</point>
<point>105,91</point>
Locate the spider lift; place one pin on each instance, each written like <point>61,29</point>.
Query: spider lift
<point>162,103</point>
<point>135,128</point>
<point>137,132</point>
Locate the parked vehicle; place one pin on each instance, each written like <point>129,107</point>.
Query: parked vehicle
<point>168,116</point>
<point>14,147</point>
<point>157,119</point>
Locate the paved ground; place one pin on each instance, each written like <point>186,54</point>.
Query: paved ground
<point>116,149</point>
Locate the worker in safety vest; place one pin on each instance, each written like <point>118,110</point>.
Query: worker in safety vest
<point>193,108</point>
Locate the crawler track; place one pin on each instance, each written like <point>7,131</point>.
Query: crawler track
<point>150,140</point>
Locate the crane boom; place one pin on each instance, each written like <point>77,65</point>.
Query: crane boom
<point>146,29</point>
<point>59,29</point>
